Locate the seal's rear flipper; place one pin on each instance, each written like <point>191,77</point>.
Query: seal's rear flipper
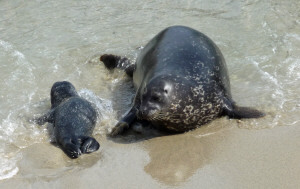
<point>237,112</point>
<point>89,145</point>
<point>71,147</point>
<point>112,61</point>
<point>124,123</point>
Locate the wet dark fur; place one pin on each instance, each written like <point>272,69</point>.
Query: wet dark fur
<point>73,118</point>
<point>182,82</point>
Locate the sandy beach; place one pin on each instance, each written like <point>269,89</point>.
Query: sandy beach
<point>42,42</point>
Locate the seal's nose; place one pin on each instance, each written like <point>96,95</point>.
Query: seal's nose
<point>141,113</point>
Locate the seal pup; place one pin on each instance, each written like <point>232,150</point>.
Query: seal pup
<point>181,80</point>
<point>73,118</point>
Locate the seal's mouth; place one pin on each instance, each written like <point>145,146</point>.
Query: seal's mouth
<point>147,114</point>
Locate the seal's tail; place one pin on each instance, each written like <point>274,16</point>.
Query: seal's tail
<point>244,112</point>
<point>236,112</point>
<point>112,61</point>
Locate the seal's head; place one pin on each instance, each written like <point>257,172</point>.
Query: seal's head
<point>163,102</point>
<point>60,91</point>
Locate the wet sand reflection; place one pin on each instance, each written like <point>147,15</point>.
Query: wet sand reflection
<point>175,158</point>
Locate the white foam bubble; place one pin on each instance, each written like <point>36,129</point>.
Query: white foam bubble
<point>8,168</point>
<point>7,46</point>
<point>14,53</point>
<point>16,76</point>
<point>104,109</point>
<point>205,135</point>
<point>7,128</point>
<point>293,68</point>
<point>104,106</point>
<point>293,35</point>
<point>278,93</point>
<point>24,68</point>
<point>292,61</point>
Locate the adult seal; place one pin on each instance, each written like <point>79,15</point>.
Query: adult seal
<point>73,118</point>
<point>182,83</point>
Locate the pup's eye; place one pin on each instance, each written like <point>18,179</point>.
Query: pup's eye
<point>166,91</point>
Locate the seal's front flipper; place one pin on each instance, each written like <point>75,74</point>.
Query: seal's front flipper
<point>237,112</point>
<point>119,128</point>
<point>112,61</point>
<point>124,123</point>
<point>89,145</point>
<point>71,147</point>
<point>48,117</point>
<point>130,69</point>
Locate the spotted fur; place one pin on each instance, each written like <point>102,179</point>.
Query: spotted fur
<point>182,83</point>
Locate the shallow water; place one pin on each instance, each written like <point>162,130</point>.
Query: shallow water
<point>42,42</point>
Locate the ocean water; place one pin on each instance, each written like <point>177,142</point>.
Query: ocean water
<point>42,42</point>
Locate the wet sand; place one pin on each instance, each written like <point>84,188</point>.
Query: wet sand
<point>209,157</point>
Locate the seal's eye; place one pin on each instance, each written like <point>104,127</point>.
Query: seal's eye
<point>166,91</point>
